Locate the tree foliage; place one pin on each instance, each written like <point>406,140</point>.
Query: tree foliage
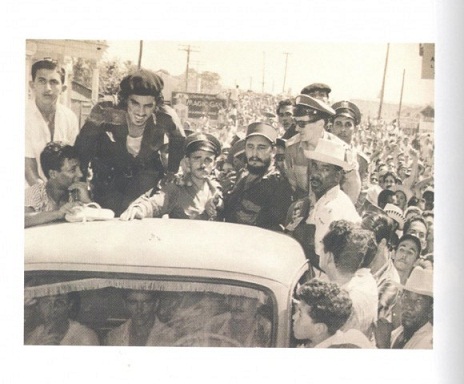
<point>111,74</point>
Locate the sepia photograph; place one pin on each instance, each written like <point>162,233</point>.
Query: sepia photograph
<point>241,197</point>
<point>199,207</point>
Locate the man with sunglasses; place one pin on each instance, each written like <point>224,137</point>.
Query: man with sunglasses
<point>312,116</point>
<point>46,118</point>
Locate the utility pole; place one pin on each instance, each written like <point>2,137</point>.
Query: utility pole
<point>188,49</point>
<point>264,70</point>
<point>379,115</point>
<point>285,73</point>
<point>140,54</point>
<point>401,98</point>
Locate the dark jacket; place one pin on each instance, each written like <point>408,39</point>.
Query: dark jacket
<point>118,178</point>
<point>262,202</point>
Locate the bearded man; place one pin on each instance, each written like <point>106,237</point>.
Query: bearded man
<point>262,196</point>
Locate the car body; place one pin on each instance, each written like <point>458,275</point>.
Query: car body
<point>203,265</point>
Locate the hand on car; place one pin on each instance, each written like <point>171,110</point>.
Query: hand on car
<point>69,207</point>
<point>131,213</point>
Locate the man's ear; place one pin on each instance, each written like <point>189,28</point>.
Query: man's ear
<point>321,328</point>
<point>31,85</point>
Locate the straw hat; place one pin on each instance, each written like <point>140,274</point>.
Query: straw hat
<point>420,281</point>
<point>331,152</point>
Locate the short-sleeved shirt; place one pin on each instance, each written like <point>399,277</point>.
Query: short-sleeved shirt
<point>422,338</point>
<point>333,205</point>
<point>178,201</point>
<point>36,197</point>
<point>38,132</point>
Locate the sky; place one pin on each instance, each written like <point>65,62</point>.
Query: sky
<point>352,70</point>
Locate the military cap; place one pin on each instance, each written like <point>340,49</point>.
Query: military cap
<point>262,129</point>
<point>347,109</point>
<point>202,141</point>
<point>305,103</point>
<point>315,87</point>
<point>142,82</point>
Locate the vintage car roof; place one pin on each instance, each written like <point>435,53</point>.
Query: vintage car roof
<point>165,244</point>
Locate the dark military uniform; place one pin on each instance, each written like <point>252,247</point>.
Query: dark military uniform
<point>262,202</point>
<point>118,177</point>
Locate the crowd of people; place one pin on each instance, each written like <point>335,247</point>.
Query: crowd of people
<point>357,196</point>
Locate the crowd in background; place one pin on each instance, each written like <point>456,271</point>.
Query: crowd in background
<point>357,195</point>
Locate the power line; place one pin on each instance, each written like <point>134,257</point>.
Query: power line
<point>285,73</point>
<point>188,49</point>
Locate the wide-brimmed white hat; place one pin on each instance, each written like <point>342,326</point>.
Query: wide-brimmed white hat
<point>395,213</point>
<point>331,152</point>
<point>420,281</point>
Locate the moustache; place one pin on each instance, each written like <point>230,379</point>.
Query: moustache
<point>255,159</point>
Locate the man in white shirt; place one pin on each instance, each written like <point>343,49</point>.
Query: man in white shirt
<point>46,119</point>
<point>416,331</point>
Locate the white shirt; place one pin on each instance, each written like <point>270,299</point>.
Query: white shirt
<point>421,339</point>
<point>38,133</point>
<point>333,205</point>
<point>364,294</point>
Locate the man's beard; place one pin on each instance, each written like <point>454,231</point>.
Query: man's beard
<point>259,169</point>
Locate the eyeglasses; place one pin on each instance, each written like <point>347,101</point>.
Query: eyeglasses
<point>302,121</point>
<point>285,114</point>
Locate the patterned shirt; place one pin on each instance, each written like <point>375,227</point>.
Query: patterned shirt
<point>36,197</point>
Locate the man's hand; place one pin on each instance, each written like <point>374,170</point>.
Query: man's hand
<point>131,213</point>
<point>69,207</point>
<point>80,192</point>
<point>227,180</point>
<point>212,205</point>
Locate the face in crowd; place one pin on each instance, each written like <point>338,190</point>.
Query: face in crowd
<point>141,307</point>
<point>343,127</point>
<point>140,108</point>
<point>406,255</point>
<point>309,130</point>
<point>416,310</point>
<point>418,229</point>
<point>304,326</point>
<point>387,182</point>
<point>259,152</point>
<point>69,174</point>
<point>54,310</point>
<point>285,115</point>
<point>47,87</point>
<point>201,163</point>
<point>401,200</point>
<point>324,176</point>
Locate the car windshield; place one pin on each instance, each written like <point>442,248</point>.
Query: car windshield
<point>96,309</point>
